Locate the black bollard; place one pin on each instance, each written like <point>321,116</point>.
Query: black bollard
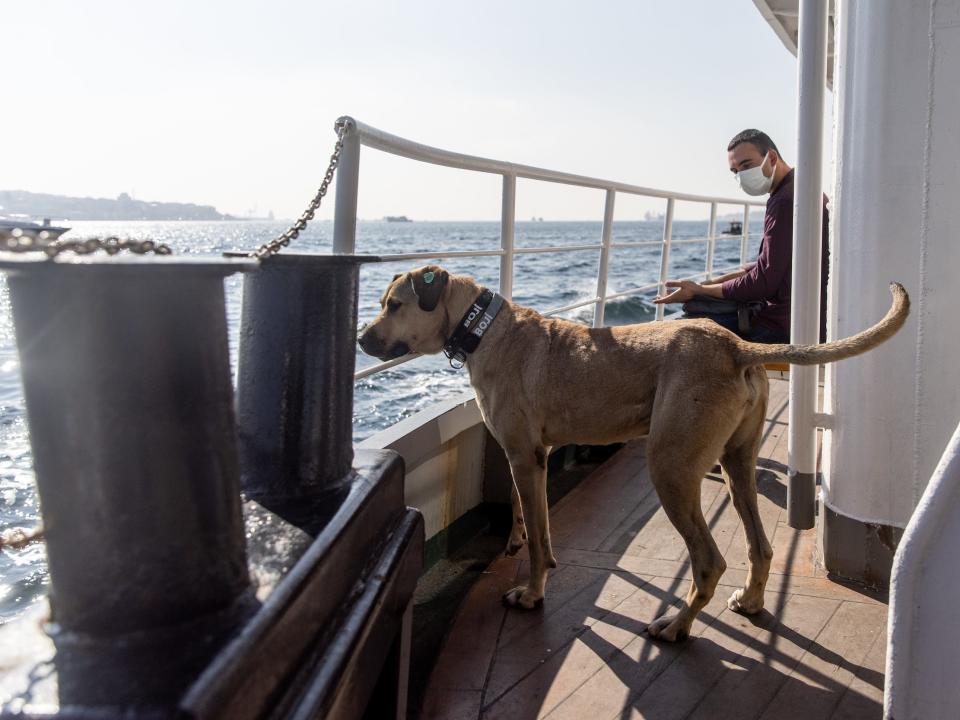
<point>295,376</point>
<point>127,383</point>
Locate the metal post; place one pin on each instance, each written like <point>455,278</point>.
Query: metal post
<point>348,179</point>
<point>711,240</point>
<point>507,227</point>
<point>665,254</point>
<point>132,428</point>
<point>807,230</point>
<point>605,234</point>
<point>295,375</point>
<point>745,235</point>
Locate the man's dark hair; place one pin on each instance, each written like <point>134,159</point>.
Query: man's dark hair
<point>759,139</point>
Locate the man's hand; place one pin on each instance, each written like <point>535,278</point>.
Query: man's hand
<point>685,291</point>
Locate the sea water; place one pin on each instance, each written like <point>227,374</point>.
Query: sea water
<point>542,281</point>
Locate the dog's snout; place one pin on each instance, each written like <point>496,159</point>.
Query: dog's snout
<point>367,341</point>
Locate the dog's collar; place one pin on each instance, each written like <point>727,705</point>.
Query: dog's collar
<point>470,330</point>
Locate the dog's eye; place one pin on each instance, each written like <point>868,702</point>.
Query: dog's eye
<point>393,306</point>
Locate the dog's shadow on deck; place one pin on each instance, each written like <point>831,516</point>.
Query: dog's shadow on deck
<point>607,666</point>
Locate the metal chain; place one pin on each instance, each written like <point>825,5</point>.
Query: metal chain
<point>275,245</point>
<point>112,245</point>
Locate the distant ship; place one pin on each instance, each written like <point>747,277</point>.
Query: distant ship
<point>734,228</point>
<point>44,232</point>
<point>397,218</point>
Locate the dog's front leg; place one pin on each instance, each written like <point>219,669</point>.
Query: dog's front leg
<point>530,480</point>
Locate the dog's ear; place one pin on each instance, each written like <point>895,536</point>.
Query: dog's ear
<point>429,283</point>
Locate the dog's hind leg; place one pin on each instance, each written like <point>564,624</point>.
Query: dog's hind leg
<point>530,480</point>
<point>739,461</point>
<point>677,465</point>
<point>518,531</point>
<point>683,510</point>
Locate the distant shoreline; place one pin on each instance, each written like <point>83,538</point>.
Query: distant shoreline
<point>20,203</point>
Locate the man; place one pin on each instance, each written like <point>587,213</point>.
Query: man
<point>760,169</point>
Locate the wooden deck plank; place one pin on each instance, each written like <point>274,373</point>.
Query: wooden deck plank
<point>442,704</point>
<point>810,586</point>
<point>659,539</point>
<point>466,655</point>
<point>814,688</point>
<point>641,665</point>
<point>551,635</point>
<point>558,676</point>
<point>615,641</point>
<point>584,517</point>
<point>676,692</point>
<point>753,679</point>
<point>864,697</point>
<point>793,550</point>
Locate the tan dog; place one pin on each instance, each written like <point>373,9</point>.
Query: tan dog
<point>697,389</point>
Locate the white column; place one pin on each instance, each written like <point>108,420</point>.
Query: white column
<point>896,218</point>
<point>807,230</point>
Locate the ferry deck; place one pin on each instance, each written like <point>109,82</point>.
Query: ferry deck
<point>816,650</point>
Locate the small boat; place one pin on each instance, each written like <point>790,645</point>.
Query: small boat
<point>734,228</point>
<point>42,232</point>
<point>397,218</point>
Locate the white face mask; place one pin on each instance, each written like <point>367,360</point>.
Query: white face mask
<point>753,181</point>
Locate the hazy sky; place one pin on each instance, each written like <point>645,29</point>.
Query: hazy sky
<point>233,103</point>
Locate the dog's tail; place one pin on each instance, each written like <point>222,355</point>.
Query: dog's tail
<point>757,354</point>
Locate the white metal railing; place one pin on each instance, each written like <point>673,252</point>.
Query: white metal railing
<point>345,219</point>
<point>923,625</point>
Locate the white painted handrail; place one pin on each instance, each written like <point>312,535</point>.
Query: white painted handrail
<point>923,624</point>
<point>373,138</point>
<point>344,233</point>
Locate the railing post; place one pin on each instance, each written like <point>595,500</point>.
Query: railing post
<point>711,241</point>
<point>602,272</point>
<point>507,225</point>
<point>807,230</point>
<point>665,254</point>
<point>745,235</point>
<point>348,179</point>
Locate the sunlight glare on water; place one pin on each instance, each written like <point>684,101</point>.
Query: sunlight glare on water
<point>542,281</point>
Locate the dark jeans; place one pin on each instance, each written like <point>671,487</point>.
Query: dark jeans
<point>757,334</point>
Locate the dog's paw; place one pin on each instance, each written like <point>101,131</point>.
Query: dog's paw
<point>522,597</point>
<point>668,628</point>
<point>741,603</point>
<point>512,548</point>
<point>518,537</point>
<point>551,562</point>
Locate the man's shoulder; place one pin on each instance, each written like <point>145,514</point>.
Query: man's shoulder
<point>783,193</point>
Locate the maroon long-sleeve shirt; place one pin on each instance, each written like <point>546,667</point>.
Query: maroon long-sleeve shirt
<point>769,278</point>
